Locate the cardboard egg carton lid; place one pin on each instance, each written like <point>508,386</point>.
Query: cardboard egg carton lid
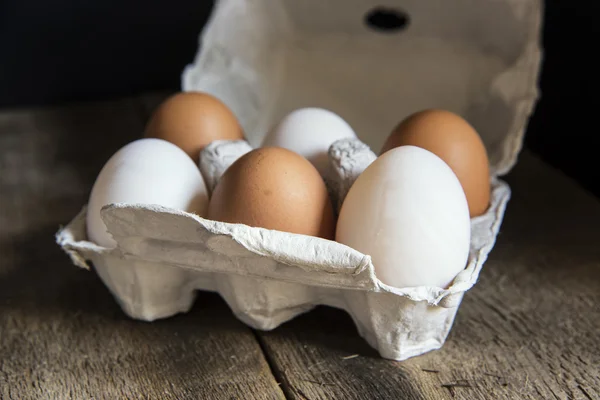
<point>480,60</point>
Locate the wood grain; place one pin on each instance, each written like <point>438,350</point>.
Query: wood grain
<point>62,335</point>
<point>528,330</point>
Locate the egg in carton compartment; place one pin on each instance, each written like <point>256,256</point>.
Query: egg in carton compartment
<point>266,58</point>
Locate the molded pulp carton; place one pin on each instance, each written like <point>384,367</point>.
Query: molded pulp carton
<point>265,58</point>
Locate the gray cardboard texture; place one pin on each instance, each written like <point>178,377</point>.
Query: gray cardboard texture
<point>266,58</point>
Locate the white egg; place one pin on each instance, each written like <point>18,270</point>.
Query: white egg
<point>310,132</point>
<point>408,211</point>
<point>147,171</point>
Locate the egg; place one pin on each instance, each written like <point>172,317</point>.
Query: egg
<point>407,210</point>
<point>456,142</point>
<point>192,120</point>
<point>146,171</point>
<point>274,188</point>
<point>310,132</point>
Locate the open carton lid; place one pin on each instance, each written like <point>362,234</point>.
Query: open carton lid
<point>480,60</point>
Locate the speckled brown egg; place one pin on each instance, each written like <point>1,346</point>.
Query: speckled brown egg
<point>274,188</point>
<point>192,120</point>
<point>455,141</point>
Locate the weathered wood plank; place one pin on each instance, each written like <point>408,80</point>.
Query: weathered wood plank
<point>528,330</point>
<point>62,335</point>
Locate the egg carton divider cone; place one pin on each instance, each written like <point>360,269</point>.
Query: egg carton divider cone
<point>265,59</point>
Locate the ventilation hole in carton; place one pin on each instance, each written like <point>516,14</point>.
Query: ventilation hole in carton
<point>386,20</point>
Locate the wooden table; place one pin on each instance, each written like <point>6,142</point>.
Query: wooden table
<point>530,329</point>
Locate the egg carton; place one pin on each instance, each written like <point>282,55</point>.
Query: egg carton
<point>266,58</point>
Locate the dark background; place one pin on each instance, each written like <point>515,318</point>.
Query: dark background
<point>61,51</point>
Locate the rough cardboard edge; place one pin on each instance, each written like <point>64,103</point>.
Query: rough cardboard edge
<point>525,71</point>
<point>72,239</point>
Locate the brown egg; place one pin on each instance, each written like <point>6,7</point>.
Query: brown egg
<point>192,120</point>
<point>274,188</point>
<point>455,141</point>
